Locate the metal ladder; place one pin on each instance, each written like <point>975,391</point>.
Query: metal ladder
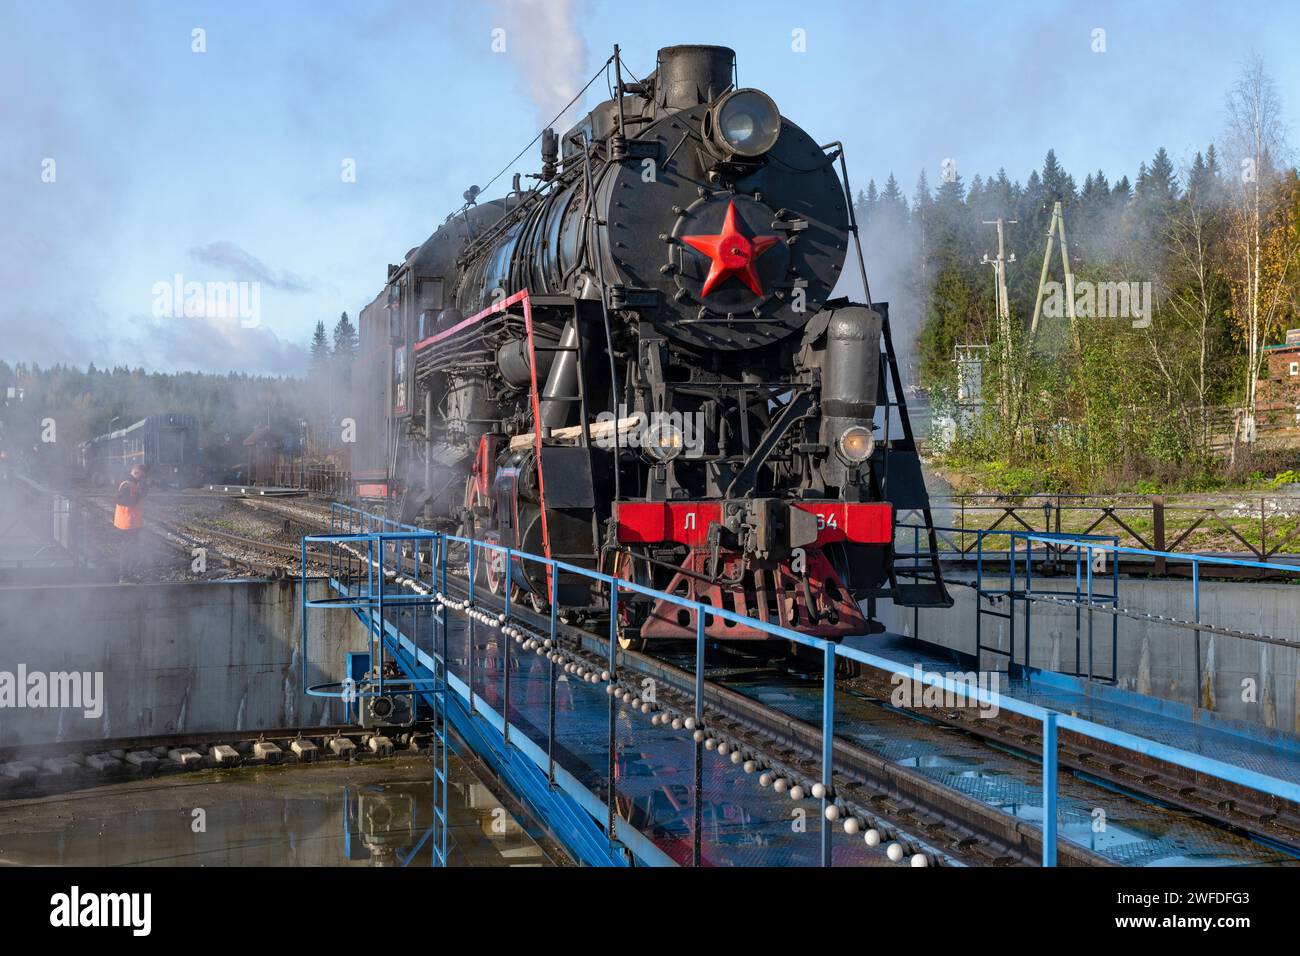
<point>920,592</point>
<point>584,420</point>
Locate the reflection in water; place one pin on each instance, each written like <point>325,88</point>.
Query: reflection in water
<point>387,820</point>
<point>368,814</point>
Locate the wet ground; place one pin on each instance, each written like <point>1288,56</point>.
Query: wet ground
<point>336,814</point>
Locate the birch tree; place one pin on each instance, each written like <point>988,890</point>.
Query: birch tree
<point>1255,140</point>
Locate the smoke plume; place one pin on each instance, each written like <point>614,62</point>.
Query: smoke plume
<point>543,41</point>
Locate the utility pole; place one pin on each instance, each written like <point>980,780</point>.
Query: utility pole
<point>1004,310</point>
<point>1054,229</point>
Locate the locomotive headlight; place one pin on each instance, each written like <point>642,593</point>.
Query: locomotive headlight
<point>662,442</point>
<point>746,122</point>
<point>856,444</point>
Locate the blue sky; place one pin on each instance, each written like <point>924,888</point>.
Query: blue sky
<point>226,164</point>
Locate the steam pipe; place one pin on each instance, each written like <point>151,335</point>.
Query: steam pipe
<point>604,314</point>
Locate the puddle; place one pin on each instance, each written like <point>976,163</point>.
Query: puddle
<point>373,814</point>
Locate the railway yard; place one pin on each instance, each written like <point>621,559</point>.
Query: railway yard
<point>238,534</point>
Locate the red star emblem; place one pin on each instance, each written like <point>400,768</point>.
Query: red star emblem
<point>733,253</point>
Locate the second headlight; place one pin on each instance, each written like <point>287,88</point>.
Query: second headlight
<point>856,444</point>
<point>662,442</point>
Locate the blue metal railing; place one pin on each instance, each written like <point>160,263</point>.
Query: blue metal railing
<point>1086,597</point>
<point>380,536</point>
<point>434,687</point>
<point>1058,547</point>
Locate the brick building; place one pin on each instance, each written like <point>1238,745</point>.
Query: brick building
<point>1277,392</point>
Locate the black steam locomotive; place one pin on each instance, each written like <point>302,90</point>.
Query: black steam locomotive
<point>635,366</point>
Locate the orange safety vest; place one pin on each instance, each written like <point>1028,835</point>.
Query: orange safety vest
<point>128,517</point>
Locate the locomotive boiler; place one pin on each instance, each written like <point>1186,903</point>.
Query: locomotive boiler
<point>633,364</point>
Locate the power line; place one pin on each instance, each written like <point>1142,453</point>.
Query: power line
<point>551,124</point>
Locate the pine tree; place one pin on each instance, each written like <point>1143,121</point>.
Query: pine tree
<point>1001,196</point>
<point>345,350</point>
<point>892,194</point>
<point>922,203</point>
<point>865,208</point>
<point>345,338</point>
<point>1203,177</point>
<point>950,230</point>
<point>1058,185</point>
<point>320,351</point>
<point>923,198</point>
<point>1158,183</point>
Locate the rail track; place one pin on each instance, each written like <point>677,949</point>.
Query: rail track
<point>269,559</point>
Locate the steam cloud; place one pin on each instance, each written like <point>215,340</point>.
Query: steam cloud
<point>243,264</point>
<point>544,43</point>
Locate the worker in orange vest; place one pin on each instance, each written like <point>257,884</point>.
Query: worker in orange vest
<point>129,519</point>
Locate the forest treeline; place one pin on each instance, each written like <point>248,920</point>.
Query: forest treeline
<point>1101,401</point>
<point>47,412</point>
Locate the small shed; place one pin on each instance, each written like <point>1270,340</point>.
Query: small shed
<point>1277,392</point>
<point>271,449</point>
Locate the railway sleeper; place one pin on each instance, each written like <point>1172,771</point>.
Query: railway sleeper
<point>45,770</point>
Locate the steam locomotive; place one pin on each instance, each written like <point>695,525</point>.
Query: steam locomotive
<point>634,365</point>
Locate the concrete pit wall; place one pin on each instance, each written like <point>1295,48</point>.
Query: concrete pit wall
<point>1242,679</point>
<point>175,658</point>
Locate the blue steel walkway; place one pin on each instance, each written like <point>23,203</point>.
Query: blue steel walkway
<point>673,800</point>
<point>743,823</point>
<point>747,825</point>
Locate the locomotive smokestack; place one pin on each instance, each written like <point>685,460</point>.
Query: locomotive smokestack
<point>692,74</point>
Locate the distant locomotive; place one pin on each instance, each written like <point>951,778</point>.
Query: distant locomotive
<point>166,444</point>
<point>635,367</point>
